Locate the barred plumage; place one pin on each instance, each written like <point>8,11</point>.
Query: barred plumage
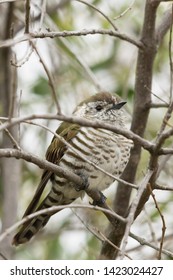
<point>90,147</point>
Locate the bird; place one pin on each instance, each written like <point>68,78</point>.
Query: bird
<point>103,148</point>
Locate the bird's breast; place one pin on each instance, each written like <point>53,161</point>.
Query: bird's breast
<point>94,152</point>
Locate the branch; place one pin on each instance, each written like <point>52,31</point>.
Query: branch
<point>164,26</point>
<point>12,42</point>
<point>142,101</point>
<point>112,244</point>
<point>27,16</point>
<point>158,105</point>
<point>163,222</point>
<point>84,158</point>
<point>54,209</point>
<point>133,207</point>
<point>125,11</point>
<point>159,1</point>
<point>83,122</point>
<point>43,164</point>
<point>86,32</point>
<point>143,242</point>
<point>165,151</point>
<point>163,188</point>
<point>7,1</point>
<point>50,78</point>
<point>100,12</point>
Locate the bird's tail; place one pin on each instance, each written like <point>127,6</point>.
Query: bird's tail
<point>30,228</point>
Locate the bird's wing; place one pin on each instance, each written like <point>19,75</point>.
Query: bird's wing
<point>54,153</point>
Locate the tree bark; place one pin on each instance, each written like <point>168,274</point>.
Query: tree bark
<point>10,168</point>
<point>142,101</point>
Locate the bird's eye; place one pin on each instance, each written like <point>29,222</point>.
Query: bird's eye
<point>99,107</point>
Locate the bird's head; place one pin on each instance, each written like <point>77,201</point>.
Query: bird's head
<point>103,107</point>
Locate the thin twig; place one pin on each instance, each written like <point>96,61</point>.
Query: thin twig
<point>91,230</point>
<point>12,42</point>
<point>54,209</point>
<point>164,26</point>
<point>149,222</point>
<point>112,244</point>
<point>125,11</point>
<point>163,221</point>
<point>51,82</point>
<point>75,56</point>
<point>83,122</point>
<point>3,256</point>
<point>14,142</point>
<point>170,108</point>
<point>43,11</point>
<point>132,211</point>
<point>158,97</point>
<point>100,12</point>
<point>143,242</point>
<point>98,234</point>
<point>162,188</point>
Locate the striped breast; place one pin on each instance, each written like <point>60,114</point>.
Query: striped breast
<point>91,148</point>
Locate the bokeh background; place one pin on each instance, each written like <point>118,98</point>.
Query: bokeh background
<point>80,66</point>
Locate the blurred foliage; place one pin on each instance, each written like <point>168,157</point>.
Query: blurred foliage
<point>112,64</point>
<point>41,87</point>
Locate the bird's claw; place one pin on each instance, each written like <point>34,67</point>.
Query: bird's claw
<point>85,184</point>
<point>101,198</point>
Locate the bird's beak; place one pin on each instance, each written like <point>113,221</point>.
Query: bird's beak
<point>118,105</point>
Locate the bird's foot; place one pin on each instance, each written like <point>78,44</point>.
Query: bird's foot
<point>98,198</point>
<point>85,184</point>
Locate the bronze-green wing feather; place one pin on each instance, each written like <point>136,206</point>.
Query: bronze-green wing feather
<point>54,153</point>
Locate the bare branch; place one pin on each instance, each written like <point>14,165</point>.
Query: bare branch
<point>131,215</point>
<point>12,42</point>
<point>165,151</point>
<point>164,26</point>
<point>143,242</point>
<point>163,222</point>
<point>158,105</point>
<point>27,16</point>
<point>126,11</point>
<point>163,188</point>
<point>14,142</point>
<point>159,1</point>
<point>86,32</point>
<point>83,122</point>
<point>43,11</point>
<point>100,12</point>
<point>41,35</point>
<point>43,164</point>
<point>54,209</point>
<point>7,1</point>
<point>51,81</point>
<point>142,101</point>
<point>113,245</point>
